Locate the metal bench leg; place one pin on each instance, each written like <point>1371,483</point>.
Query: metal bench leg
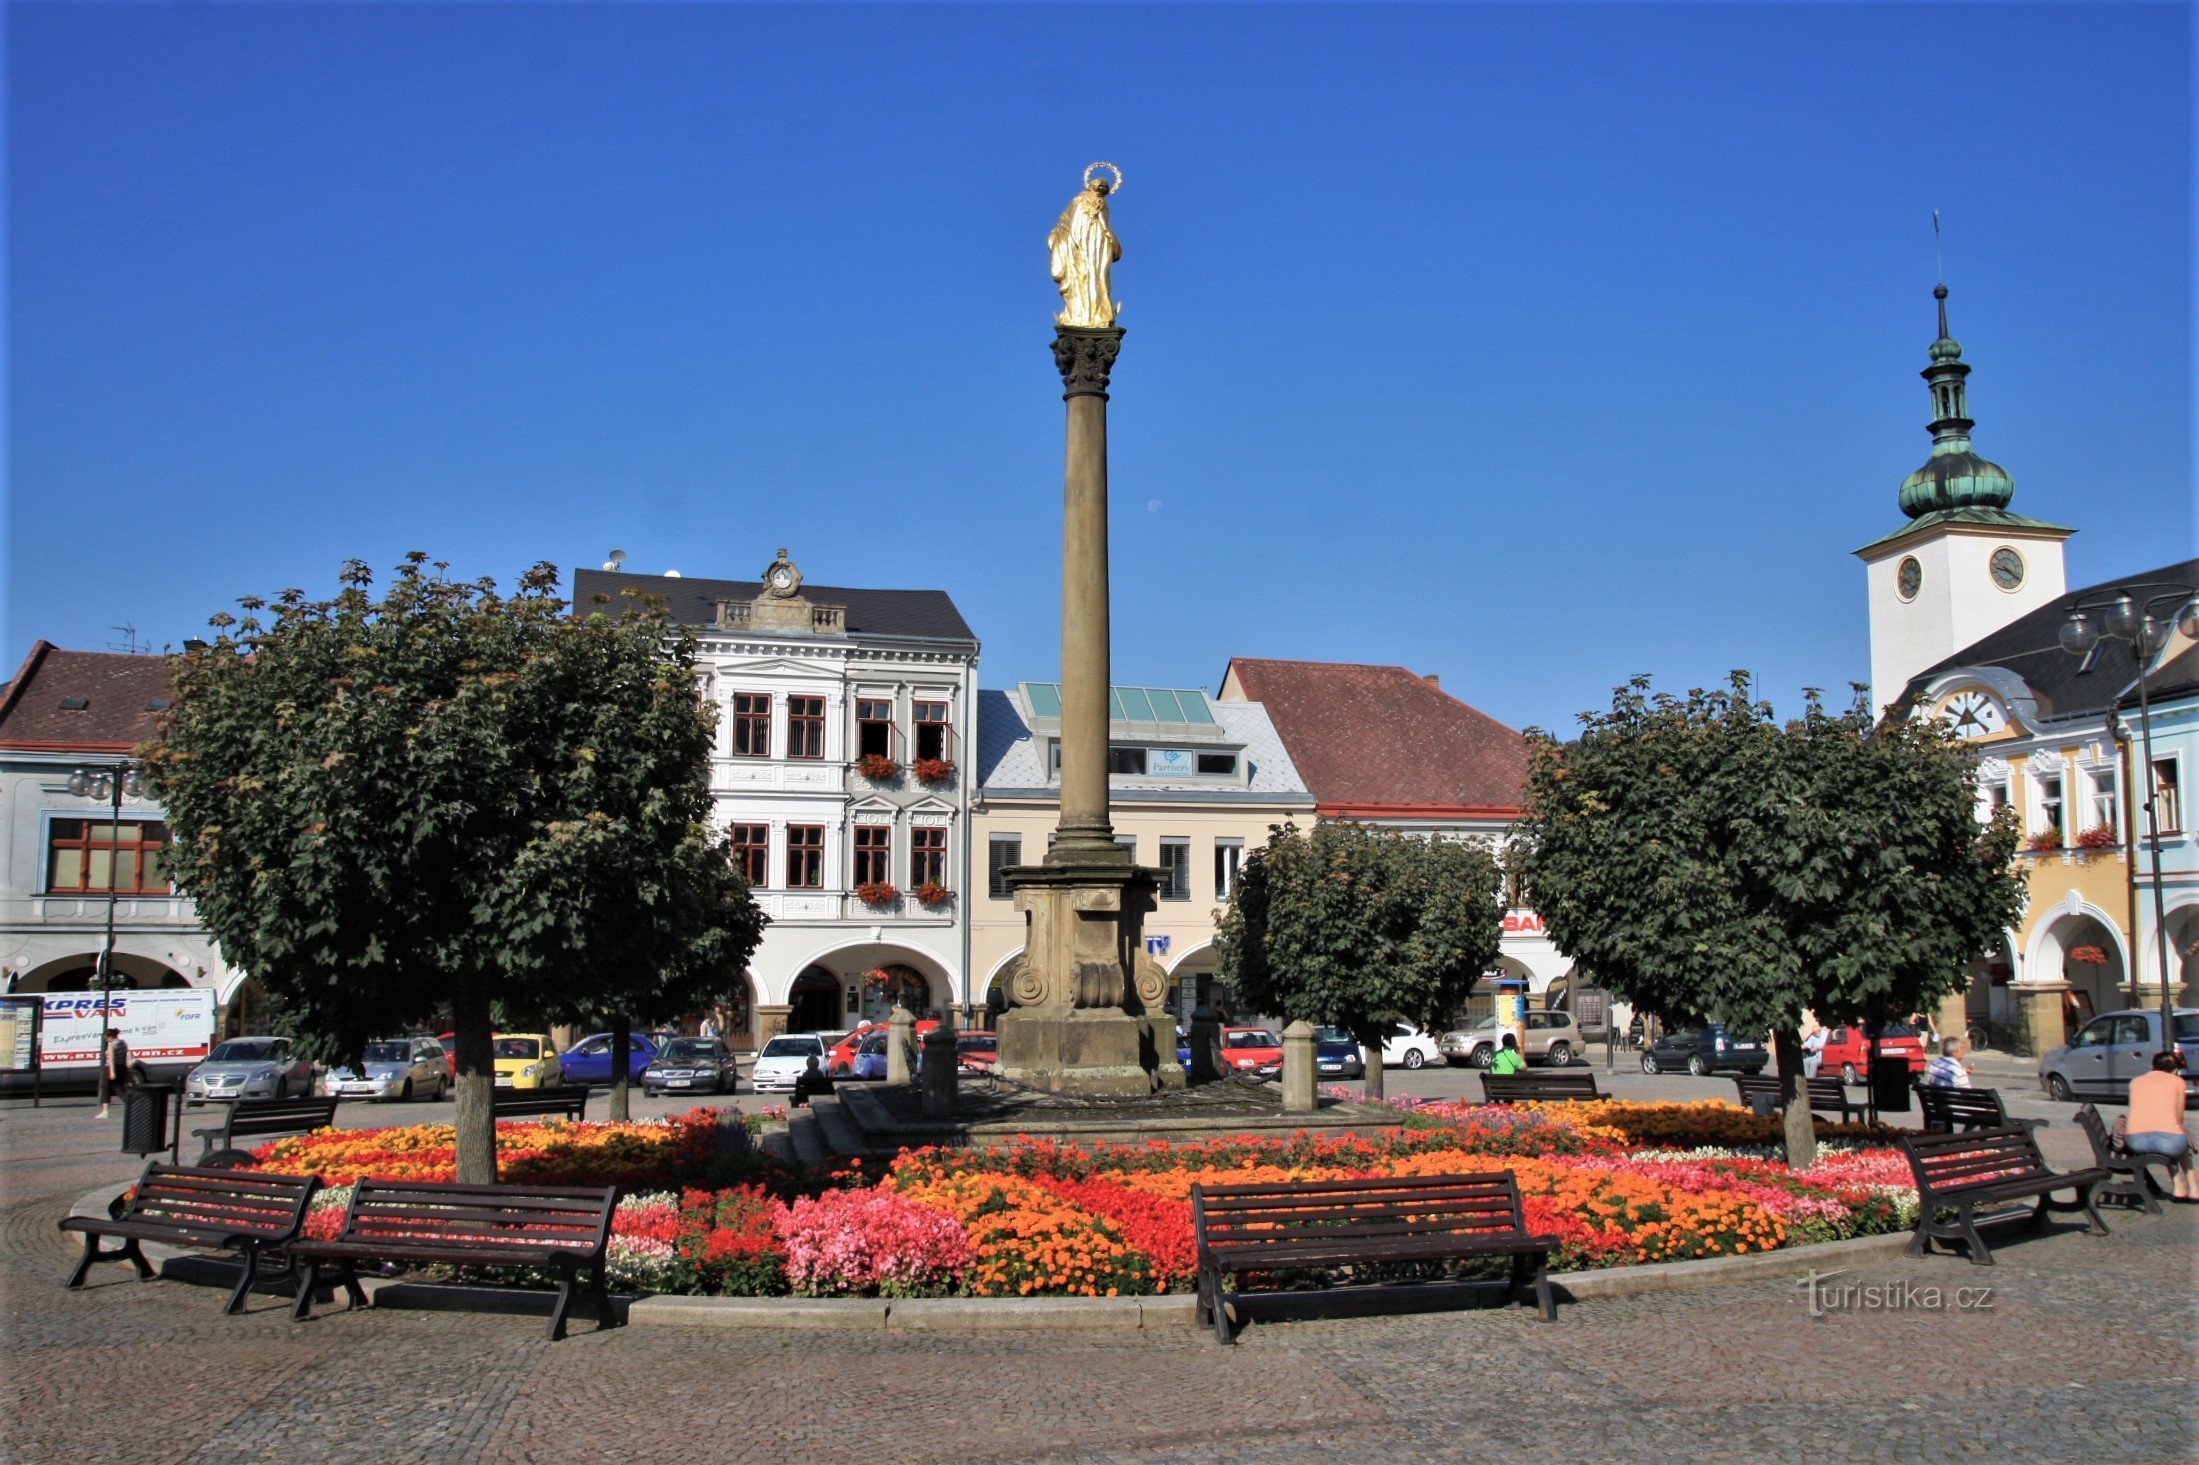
<point>2092,1209</point>
<point>92,1253</point>
<point>606,1315</point>
<point>1202,1311</point>
<point>146,1271</point>
<point>564,1301</point>
<point>1221,1310</point>
<point>309,1278</point>
<point>354,1294</point>
<point>1920,1241</point>
<point>1543,1300</point>
<point>1966,1223</point>
<point>235,1304</point>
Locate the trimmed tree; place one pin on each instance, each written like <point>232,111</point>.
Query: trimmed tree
<point>1709,863</point>
<point>451,797</point>
<point>1353,927</point>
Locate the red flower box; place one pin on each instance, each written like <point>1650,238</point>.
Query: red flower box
<point>931,892</point>
<point>2100,836</point>
<point>933,770</point>
<point>876,765</point>
<point>2045,842</point>
<point>877,892</point>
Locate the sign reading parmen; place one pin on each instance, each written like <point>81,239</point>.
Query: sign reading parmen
<point>1169,762</point>
<point>163,1025</point>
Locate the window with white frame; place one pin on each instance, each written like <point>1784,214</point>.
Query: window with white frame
<point>927,855</point>
<point>2047,817</point>
<point>1229,858</point>
<point>1175,867</point>
<point>1993,796</point>
<point>2168,802</point>
<point>2102,791</point>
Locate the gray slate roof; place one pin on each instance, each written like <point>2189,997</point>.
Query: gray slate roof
<point>1009,759</point>
<point>2032,649</point>
<point>692,601</point>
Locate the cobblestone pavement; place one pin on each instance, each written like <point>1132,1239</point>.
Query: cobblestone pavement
<point>2085,1352</point>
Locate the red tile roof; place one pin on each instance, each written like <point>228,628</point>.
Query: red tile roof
<point>1376,740</point>
<point>114,687</point>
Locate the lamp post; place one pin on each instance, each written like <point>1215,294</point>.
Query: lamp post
<point>2145,625</point>
<point>110,782</point>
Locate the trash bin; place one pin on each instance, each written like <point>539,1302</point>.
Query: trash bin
<point>145,1118</point>
<point>1890,1084</point>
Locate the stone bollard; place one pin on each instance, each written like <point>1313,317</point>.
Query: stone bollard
<point>938,1077</point>
<point>1298,1068</point>
<point>900,1045</point>
<point>1206,1044</point>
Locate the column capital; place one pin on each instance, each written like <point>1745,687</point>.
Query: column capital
<point>1085,357</point>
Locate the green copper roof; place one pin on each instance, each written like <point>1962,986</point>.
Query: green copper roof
<point>1954,478</point>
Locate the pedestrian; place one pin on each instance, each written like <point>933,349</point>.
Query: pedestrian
<point>1950,1070</point>
<point>2155,1124</point>
<point>1508,1059</point>
<point>1813,1050</point>
<point>115,1054</point>
<point>709,1026</point>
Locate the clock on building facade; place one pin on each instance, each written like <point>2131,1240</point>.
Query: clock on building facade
<point>2007,568</point>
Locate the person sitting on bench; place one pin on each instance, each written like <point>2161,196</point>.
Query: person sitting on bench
<point>1948,1071</point>
<point>1508,1059</point>
<point>2155,1124</point>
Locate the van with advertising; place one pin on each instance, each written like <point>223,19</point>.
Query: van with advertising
<point>169,1029</point>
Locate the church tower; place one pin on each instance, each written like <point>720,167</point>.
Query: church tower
<point>1963,566</point>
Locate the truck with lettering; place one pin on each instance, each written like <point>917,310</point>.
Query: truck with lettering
<point>168,1029</point>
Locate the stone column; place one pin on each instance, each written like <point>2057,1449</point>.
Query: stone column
<point>938,1074</point>
<point>1085,835</point>
<point>1206,1044</point>
<point>1298,1068</point>
<point>900,1045</point>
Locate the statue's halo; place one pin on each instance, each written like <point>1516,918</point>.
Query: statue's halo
<point>1114,187</point>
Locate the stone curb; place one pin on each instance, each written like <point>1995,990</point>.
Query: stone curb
<point>988,1314</point>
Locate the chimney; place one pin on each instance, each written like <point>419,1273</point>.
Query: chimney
<point>1433,680</point>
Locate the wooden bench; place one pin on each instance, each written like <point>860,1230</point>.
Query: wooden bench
<point>188,1205</point>
<point>1366,1226</point>
<point>556,1228</point>
<point>1827,1093</point>
<point>249,1117</point>
<point>2126,1169</point>
<point>1947,1109</point>
<point>1985,1168</point>
<point>570,1100</point>
<point>1521,1088</point>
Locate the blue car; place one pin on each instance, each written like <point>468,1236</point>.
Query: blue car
<point>870,1056</point>
<point>589,1060</point>
<point>1336,1054</point>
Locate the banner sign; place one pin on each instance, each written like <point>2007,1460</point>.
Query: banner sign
<point>163,1025</point>
<point>18,1033</point>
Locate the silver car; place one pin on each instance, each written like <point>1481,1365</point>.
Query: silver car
<point>396,1068</point>
<point>2114,1048</point>
<point>250,1068</point>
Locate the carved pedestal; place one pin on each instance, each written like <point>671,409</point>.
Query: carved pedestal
<point>1089,1015</point>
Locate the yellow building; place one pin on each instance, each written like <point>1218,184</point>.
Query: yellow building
<point>1193,785</point>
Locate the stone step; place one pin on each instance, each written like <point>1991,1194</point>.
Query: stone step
<point>776,1144</point>
<point>840,1129</point>
<point>810,1146</point>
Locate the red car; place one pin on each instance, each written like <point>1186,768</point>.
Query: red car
<point>1252,1050</point>
<point>840,1057</point>
<point>1848,1049</point>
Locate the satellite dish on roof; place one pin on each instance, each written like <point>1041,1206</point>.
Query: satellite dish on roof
<point>618,557</point>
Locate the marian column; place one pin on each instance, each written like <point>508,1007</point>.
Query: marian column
<point>1087,1015</point>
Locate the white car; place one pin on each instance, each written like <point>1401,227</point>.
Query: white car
<point>783,1059</point>
<point>1409,1047</point>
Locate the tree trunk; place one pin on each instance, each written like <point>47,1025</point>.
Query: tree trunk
<point>475,1117</point>
<point>1373,1058</point>
<point>622,1037</point>
<point>1794,1093</point>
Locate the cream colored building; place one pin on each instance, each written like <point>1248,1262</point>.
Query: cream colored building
<point>1195,786</point>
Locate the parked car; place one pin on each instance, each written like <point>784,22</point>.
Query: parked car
<point>1848,1049</point>
<point>782,1060</point>
<point>1552,1038</point>
<point>1409,1047</point>
<point>450,1055</point>
<point>1252,1050</point>
<point>840,1048</point>
<point>1703,1050</point>
<point>870,1058</point>
<point>250,1068</point>
<point>393,1068</point>
<point>526,1061</point>
<point>589,1060</point>
<point>977,1051</point>
<point>691,1065</point>
<point>2114,1048</point>
<point>1336,1054</point>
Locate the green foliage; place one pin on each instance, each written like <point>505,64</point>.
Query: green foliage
<point>451,796</point>
<point>1355,927</point>
<point>1707,863</point>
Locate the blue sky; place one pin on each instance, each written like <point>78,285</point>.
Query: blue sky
<point>1532,346</point>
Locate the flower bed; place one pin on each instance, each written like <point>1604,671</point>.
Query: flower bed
<point>1615,1183</point>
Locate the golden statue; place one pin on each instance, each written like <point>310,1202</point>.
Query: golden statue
<point>1083,247</point>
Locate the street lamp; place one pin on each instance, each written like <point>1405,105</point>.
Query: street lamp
<point>2145,624</point>
<point>110,783</point>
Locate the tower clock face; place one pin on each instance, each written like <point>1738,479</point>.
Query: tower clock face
<point>1973,714</point>
<point>2007,568</point>
<point>1909,578</point>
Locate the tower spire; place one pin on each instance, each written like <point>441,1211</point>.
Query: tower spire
<point>1953,477</point>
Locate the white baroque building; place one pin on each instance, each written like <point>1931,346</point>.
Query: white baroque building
<point>862,868</point>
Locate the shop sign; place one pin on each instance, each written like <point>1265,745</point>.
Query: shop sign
<point>1156,946</point>
<point>1169,762</point>
<point>1522,923</point>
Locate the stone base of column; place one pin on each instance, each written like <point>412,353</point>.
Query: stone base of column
<point>1094,1052</point>
<point>1089,1015</point>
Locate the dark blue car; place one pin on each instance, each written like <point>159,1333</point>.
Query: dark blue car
<point>1336,1054</point>
<point>589,1060</point>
